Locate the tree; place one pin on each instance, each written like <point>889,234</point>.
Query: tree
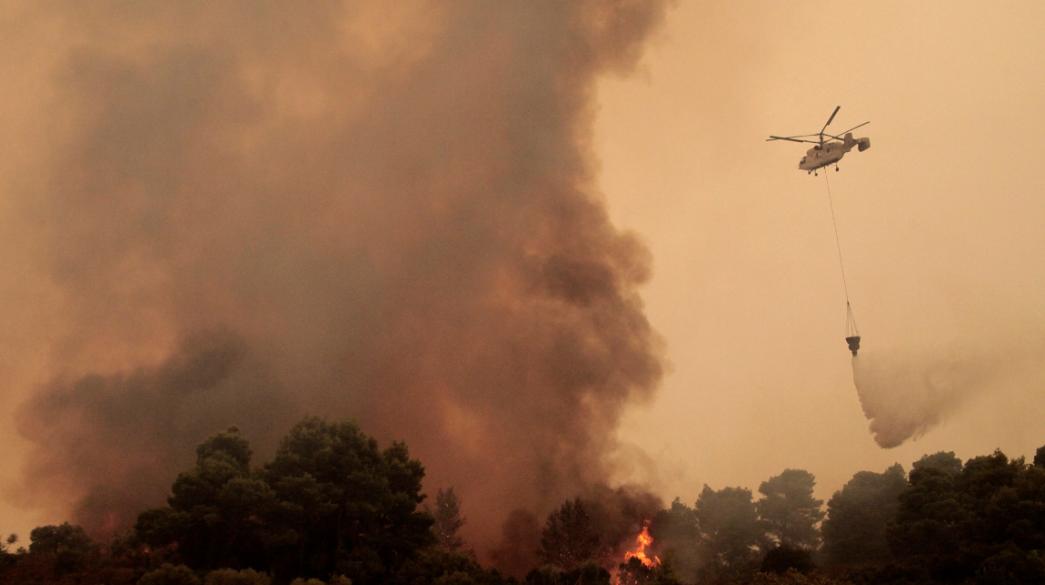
<point>676,532</point>
<point>169,574</point>
<point>784,558</point>
<point>984,520</point>
<point>343,505</point>
<point>234,577</point>
<point>589,573</point>
<point>437,565</point>
<point>7,558</point>
<point>215,514</point>
<point>1011,566</point>
<point>930,512</point>
<point>732,536</point>
<point>854,531</point>
<point>330,502</point>
<point>634,572</point>
<point>789,510</point>
<point>447,520</point>
<point>68,546</point>
<point>794,577</point>
<point>569,537</point>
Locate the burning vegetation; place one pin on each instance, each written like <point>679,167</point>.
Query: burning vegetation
<point>641,552</point>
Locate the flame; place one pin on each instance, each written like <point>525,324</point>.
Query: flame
<point>642,542</point>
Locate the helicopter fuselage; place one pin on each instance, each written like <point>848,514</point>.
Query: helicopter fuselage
<point>822,155</point>
<point>831,152</point>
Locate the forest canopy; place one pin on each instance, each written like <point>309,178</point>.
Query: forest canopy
<point>333,507</point>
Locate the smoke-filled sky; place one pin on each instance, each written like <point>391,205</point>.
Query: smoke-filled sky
<point>453,220</point>
<point>240,214</point>
<point>941,224</point>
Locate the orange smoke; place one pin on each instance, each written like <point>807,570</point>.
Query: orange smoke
<point>382,224</point>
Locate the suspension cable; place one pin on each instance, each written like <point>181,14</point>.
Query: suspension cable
<point>850,319</point>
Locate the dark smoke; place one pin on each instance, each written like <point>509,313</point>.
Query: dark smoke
<point>103,436</point>
<point>390,210</point>
<point>516,554</point>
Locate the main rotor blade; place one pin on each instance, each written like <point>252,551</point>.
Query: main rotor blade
<point>854,128</point>
<point>789,138</point>
<point>831,118</point>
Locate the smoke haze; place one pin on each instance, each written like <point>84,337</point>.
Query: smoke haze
<point>249,212</point>
<point>940,226</point>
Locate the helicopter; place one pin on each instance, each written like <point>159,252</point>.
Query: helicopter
<point>830,152</point>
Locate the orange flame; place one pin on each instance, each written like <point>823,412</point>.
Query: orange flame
<point>642,541</point>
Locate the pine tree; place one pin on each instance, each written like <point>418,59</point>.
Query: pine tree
<point>448,520</point>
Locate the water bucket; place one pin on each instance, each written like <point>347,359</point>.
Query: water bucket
<point>854,343</point>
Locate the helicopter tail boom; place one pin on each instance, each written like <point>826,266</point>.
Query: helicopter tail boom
<point>862,144</point>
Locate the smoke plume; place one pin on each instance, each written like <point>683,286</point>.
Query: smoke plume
<point>250,211</point>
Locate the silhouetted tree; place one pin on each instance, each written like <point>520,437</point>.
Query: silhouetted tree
<point>634,572</point>
<point>784,558</point>
<point>930,513</point>
<point>7,557</point>
<point>345,506</point>
<point>330,502</point>
<point>169,574</point>
<point>234,577</point>
<point>215,514</point>
<point>789,511</point>
<point>447,520</point>
<point>732,536</point>
<point>437,565</point>
<point>794,577</point>
<point>569,538</point>
<point>985,520</point>
<point>676,532</point>
<point>589,573</point>
<point>854,531</point>
<point>67,546</point>
<point>1011,566</point>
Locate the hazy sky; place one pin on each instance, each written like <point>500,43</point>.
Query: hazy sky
<point>940,222</point>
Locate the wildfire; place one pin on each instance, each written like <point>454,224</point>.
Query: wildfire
<point>642,542</point>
